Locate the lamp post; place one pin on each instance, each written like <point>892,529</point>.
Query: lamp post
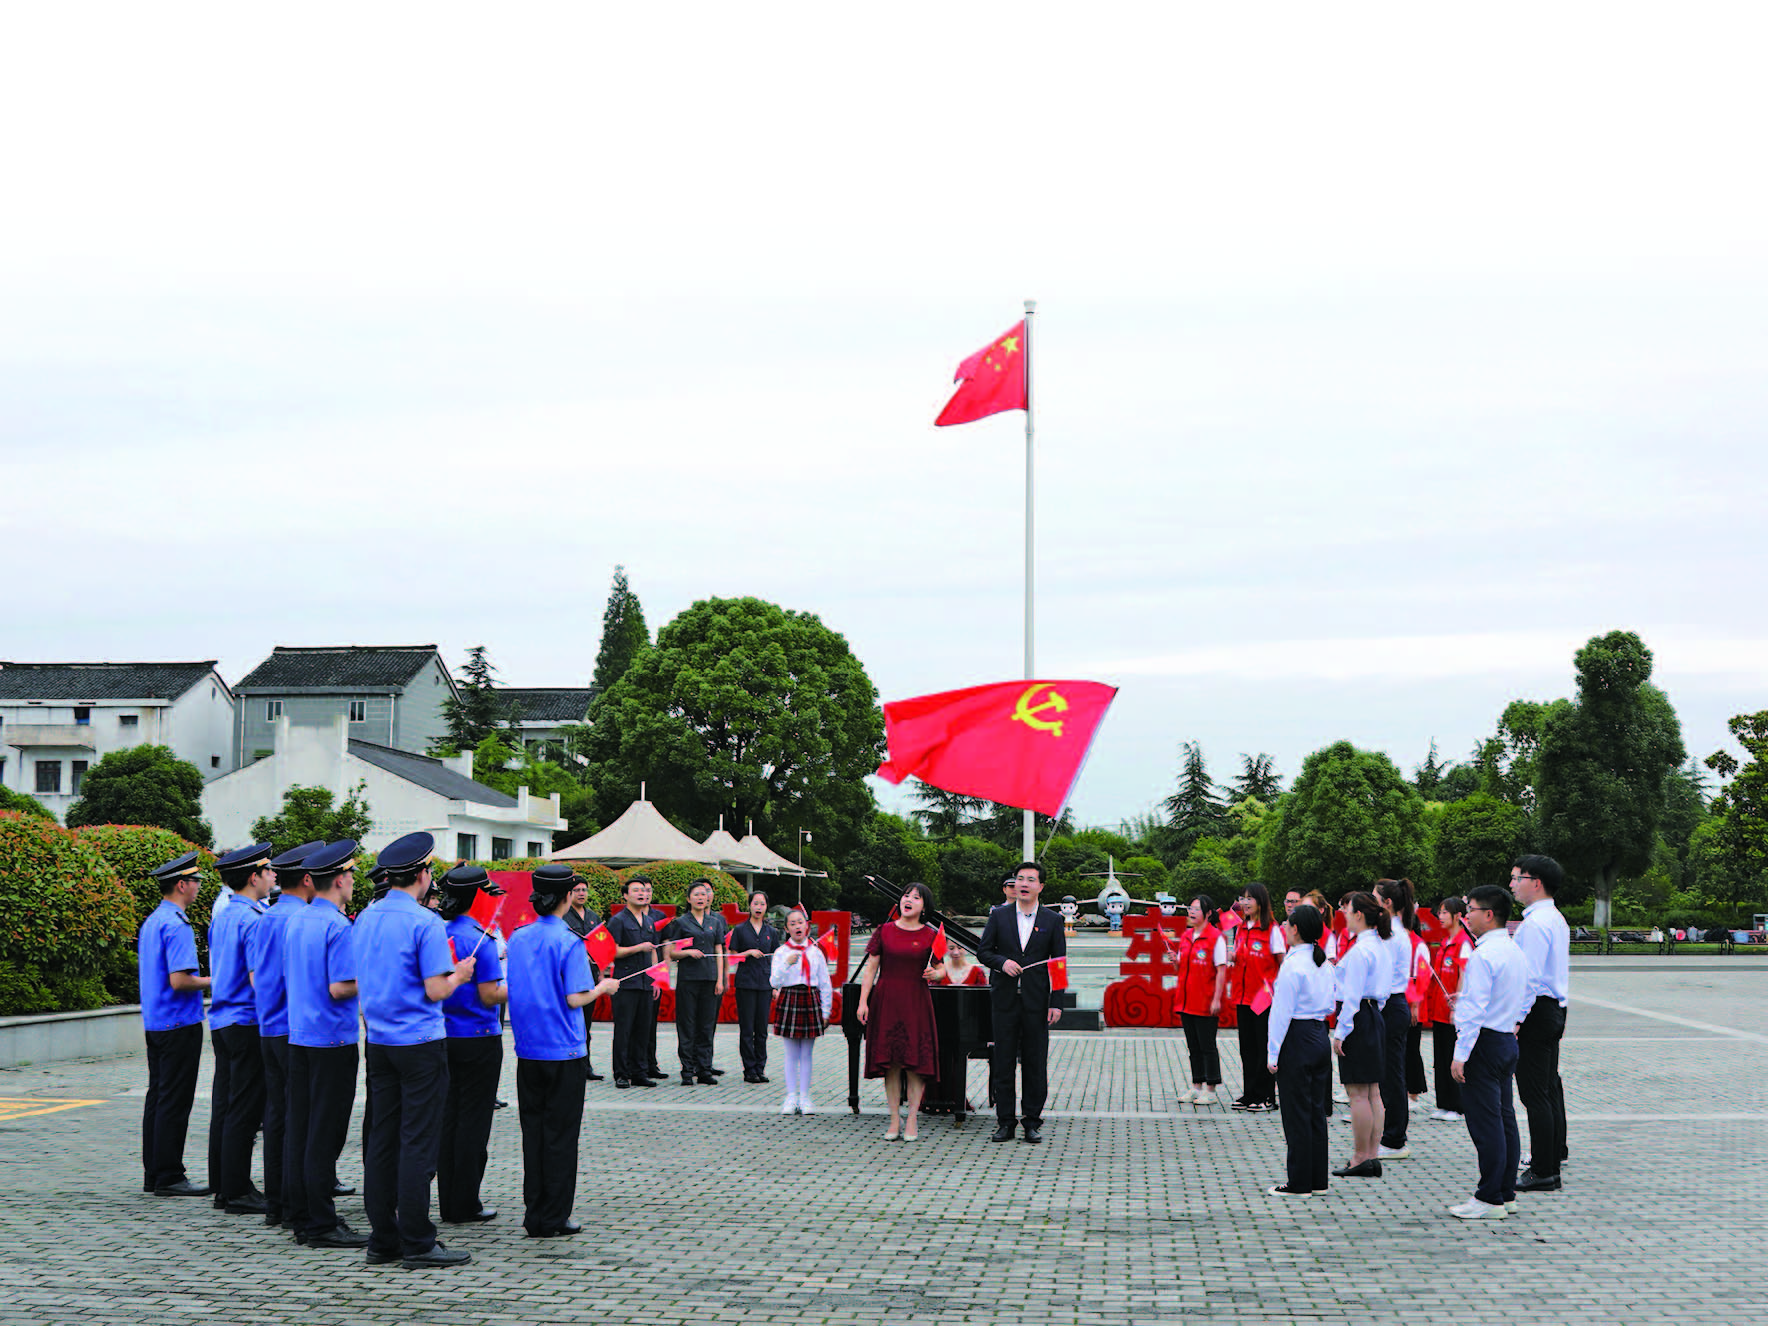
<point>803,837</point>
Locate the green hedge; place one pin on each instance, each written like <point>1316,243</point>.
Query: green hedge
<point>134,851</point>
<point>66,921</point>
<point>670,881</point>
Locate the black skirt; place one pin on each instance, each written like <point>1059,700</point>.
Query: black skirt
<point>1365,1047</point>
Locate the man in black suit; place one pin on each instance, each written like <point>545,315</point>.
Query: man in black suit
<point>1014,939</point>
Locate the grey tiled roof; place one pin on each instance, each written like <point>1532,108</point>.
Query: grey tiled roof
<point>343,667</point>
<point>100,681</point>
<point>430,774</point>
<point>549,704</point>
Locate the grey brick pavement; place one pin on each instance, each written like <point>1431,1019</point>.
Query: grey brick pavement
<point>706,1206</point>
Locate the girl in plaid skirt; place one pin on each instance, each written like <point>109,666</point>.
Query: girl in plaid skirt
<point>801,1009</point>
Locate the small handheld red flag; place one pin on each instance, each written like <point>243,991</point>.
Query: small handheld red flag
<point>1058,973</point>
<point>1229,919</point>
<point>939,942</point>
<point>600,946</point>
<point>452,955</point>
<point>829,942</point>
<point>485,908</point>
<point>990,381</point>
<point>659,975</point>
<point>1262,1000</point>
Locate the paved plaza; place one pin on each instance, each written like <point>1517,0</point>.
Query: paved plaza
<point>705,1205</point>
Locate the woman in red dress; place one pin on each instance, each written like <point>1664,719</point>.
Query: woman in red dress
<point>900,1040</point>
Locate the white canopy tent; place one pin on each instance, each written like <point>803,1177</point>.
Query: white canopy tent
<point>640,834</point>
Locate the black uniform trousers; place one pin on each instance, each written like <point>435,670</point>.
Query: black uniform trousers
<point>475,1065</point>
<point>1448,1090</point>
<point>1304,1062</point>
<point>1396,1017</point>
<point>1415,1082</point>
<point>1254,1031</point>
<point>696,1019</point>
<point>241,1111</point>
<point>1021,1036</point>
<point>322,1092</point>
<point>220,1083</point>
<point>635,1032</point>
<point>1200,1043</point>
<point>752,1010</point>
<point>275,1052</point>
<point>549,1106</point>
<point>172,1059</point>
<point>1539,1085</point>
<point>407,1086</point>
<point>1490,1106</point>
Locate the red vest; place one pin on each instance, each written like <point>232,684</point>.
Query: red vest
<point>1255,966</point>
<point>1197,970</point>
<point>1446,960</point>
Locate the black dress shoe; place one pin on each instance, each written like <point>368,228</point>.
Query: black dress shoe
<point>374,1258</point>
<point>1369,1169</point>
<point>147,1185</point>
<point>247,1204</point>
<point>707,1080</point>
<point>591,1075</point>
<point>1003,1134</point>
<point>657,1074</point>
<point>643,1082</point>
<point>339,1235</point>
<point>500,1104</point>
<point>716,1072</point>
<point>182,1188</point>
<point>620,1084</point>
<point>1033,1134</point>
<point>564,1231</point>
<point>220,1202</point>
<point>342,1190</point>
<point>761,1077</point>
<point>687,1079</point>
<point>1529,1181</point>
<point>437,1256</point>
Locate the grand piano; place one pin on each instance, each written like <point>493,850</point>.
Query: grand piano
<point>963,1022</point>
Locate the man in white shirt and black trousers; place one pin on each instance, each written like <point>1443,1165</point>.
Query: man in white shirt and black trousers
<point>1546,942</point>
<point>1014,939</point>
<point>1487,1008</point>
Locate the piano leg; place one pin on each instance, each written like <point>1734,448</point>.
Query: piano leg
<point>853,1048</point>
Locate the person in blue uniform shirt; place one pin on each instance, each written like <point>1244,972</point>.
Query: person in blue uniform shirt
<point>405,971</point>
<point>582,919</point>
<point>320,962</point>
<point>172,1015</point>
<point>472,1016</point>
<point>265,951</point>
<point>1488,1005</point>
<point>1546,943</point>
<point>549,982</point>
<point>237,1103</point>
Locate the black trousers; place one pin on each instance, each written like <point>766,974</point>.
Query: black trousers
<point>1303,1064</point>
<point>1539,1085</point>
<point>635,1032</point>
<point>407,1085</point>
<point>220,1083</point>
<point>1200,1040</point>
<point>330,1073</point>
<point>475,1065</point>
<point>1021,1036</point>
<point>752,1010</point>
<point>588,1034</point>
<point>1416,1085</point>
<point>696,1018</point>
<point>1396,1017</point>
<point>549,1105</point>
<point>1448,1090</point>
<point>172,1059</point>
<point>243,1112</point>
<point>1490,1107</point>
<point>275,1052</point>
<point>1253,1029</point>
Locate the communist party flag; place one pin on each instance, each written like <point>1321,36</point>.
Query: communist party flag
<point>1021,743</point>
<point>989,381</point>
<point>1058,973</point>
<point>599,944</point>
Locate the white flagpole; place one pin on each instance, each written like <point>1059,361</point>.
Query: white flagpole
<point>1030,834</point>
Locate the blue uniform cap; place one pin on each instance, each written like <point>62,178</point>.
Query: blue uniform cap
<point>330,859</point>
<point>255,857</point>
<point>407,853</point>
<point>178,865</point>
<point>470,877</point>
<point>295,858</point>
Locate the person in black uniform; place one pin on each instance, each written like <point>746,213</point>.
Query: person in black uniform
<point>1015,937</point>
<point>635,1008</point>
<point>236,1110</point>
<point>699,982</point>
<point>754,941</point>
<point>475,1051</point>
<point>581,918</point>
<point>172,1015</point>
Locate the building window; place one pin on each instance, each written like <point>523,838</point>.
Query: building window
<point>536,849</point>
<point>78,778</point>
<point>128,720</point>
<point>49,775</point>
<point>83,715</point>
<point>501,849</point>
<point>466,846</point>
<point>359,711</point>
<point>272,710</point>
<point>214,761</point>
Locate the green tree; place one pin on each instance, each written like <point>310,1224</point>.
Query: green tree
<point>1686,808</point>
<point>1475,839</point>
<point>624,634</point>
<point>1195,809</point>
<point>746,710</point>
<point>308,815</point>
<point>1257,779</point>
<point>1739,837</point>
<point>144,785</point>
<point>1428,777</point>
<point>1601,766</point>
<point>24,805</point>
<point>1458,782</point>
<point>944,815</point>
<point>971,872</point>
<point>1716,877</point>
<point>891,849</point>
<point>1351,818</point>
<point>478,711</point>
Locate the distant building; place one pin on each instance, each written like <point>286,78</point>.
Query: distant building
<point>543,712</point>
<point>59,719</point>
<point>390,695</point>
<point>406,792</point>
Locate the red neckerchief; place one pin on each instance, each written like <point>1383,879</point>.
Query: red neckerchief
<point>803,951</point>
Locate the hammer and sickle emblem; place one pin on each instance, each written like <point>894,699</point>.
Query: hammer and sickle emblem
<point>1027,713</point>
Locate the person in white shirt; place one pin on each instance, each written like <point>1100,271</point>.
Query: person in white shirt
<point>800,972</point>
<point>1359,1039</point>
<point>1487,1008</point>
<point>1546,943</point>
<point>1398,1015</point>
<point>1296,1054</point>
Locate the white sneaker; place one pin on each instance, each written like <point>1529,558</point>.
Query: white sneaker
<point>804,1104</point>
<point>1393,1153</point>
<point>1474,1209</point>
<point>1510,1208</point>
<point>1204,1098</point>
<point>1188,1095</point>
<point>789,1105</point>
<point>1444,1116</point>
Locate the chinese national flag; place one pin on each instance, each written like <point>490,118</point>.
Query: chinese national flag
<point>829,942</point>
<point>1058,973</point>
<point>989,381</point>
<point>1229,919</point>
<point>1021,743</point>
<point>599,944</point>
<point>939,942</point>
<point>659,975</point>
<point>485,908</point>
<point>1430,927</point>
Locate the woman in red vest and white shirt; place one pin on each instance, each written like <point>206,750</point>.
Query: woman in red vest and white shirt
<point>1203,978</point>
<point>1252,978</point>
<point>1449,955</point>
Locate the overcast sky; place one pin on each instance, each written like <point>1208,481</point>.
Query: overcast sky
<point>1384,354</point>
